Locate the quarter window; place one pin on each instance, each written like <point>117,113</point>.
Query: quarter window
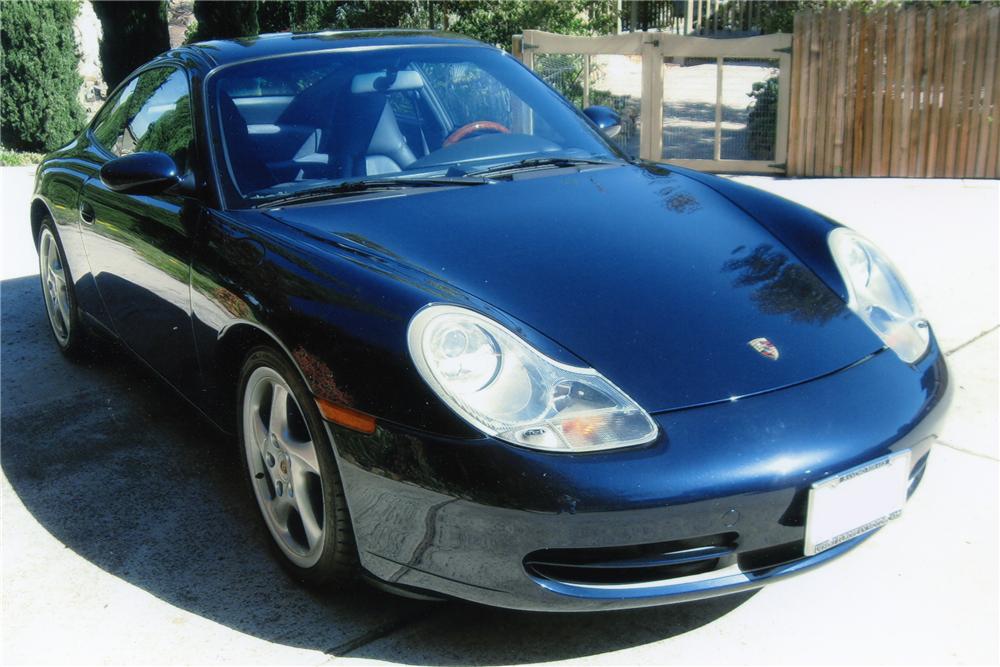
<point>153,113</point>
<point>111,123</point>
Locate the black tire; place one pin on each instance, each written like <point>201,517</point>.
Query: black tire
<point>337,563</point>
<point>75,341</point>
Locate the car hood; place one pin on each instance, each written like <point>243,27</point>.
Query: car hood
<point>650,277</point>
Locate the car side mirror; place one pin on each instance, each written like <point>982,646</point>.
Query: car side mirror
<point>606,119</point>
<point>141,173</point>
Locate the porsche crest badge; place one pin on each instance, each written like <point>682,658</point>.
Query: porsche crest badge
<point>765,348</point>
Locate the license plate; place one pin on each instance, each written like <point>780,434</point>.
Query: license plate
<point>856,501</point>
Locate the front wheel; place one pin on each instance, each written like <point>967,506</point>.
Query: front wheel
<point>289,462</point>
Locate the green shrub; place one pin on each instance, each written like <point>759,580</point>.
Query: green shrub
<point>133,34</point>
<point>18,158</point>
<point>762,121</point>
<point>225,20</point>
<point>39,105</point>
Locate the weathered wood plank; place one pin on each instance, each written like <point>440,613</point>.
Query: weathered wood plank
<point>868,124</point>
<point>851,83</point>
<point>954,113</point>
<point>970,131</point>
<point>934,132</point>
<point>823,62</point>
<point>993,150</point>
<point>878,92</point>
<point>924,91</point>
<point>991,106</point>
<point>914,62</point>
<point>838,128</point>
<point>793,165</point>
<point>812,77</point>
<point>968,95</point>
<point>899,110</point>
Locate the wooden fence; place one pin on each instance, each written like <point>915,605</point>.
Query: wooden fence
<point>696,17</point>
<point>899,91</point>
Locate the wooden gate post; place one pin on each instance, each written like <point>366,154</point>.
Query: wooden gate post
<point>651,108</point>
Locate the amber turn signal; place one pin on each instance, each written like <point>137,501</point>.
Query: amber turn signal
<point>352,419</point>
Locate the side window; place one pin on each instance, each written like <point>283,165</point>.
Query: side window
<point>111,122</point>
<point>152,114</point>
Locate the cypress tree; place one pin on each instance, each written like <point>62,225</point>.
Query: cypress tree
<point>275,15</point>
<point>39,105</point>
<point>132,34</point>
<point>225,20</point>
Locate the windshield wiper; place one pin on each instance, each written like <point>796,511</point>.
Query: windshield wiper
<point>533,162</point>
<point>369,185</point>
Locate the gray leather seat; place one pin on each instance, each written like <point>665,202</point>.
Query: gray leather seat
<point>252,172</point>
<point>387,151</point>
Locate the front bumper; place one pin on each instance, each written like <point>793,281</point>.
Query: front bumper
<point>464,518</point>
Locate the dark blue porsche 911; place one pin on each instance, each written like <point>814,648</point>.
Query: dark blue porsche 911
<point>471,350</point>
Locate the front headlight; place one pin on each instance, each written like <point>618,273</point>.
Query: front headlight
<point>878,295</point>
<point>506,388</point>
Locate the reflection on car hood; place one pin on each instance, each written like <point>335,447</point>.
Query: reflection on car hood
<point>652,278</point>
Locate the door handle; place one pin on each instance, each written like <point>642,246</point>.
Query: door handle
<point>87,213</point>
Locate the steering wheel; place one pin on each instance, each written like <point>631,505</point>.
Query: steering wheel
<point>475,126</point>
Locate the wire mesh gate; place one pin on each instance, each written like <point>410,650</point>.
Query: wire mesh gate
<point>718,105</point>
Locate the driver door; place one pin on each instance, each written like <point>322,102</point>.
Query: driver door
<point>140,246</point>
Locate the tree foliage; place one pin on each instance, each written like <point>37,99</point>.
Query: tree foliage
<point>225,20</point>
<point>132,34</point>
<point>495,21</point>
<point>38,66</point>
<point>491,21</point>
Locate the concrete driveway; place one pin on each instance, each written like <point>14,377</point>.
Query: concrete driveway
<point>127,536</point>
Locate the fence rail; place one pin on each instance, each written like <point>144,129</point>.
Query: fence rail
<point>900,91</point>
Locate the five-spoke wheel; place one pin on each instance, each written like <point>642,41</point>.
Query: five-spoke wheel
<point>282,459</point>
<point>292,471</point>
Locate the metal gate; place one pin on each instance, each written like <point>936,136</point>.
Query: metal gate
<point>718,105</point>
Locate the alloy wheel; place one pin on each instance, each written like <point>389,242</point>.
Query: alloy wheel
<point>54,288</point>
<point>284,466</point>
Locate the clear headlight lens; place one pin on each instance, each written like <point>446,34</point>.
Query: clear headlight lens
<point>506,388</point>
<point>878,294</point>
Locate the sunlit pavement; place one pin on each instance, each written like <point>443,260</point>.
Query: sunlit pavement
<point>127,537</point>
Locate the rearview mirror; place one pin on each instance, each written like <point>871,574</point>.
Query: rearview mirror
<point>141,173</point>
<point>606,119</point>
<point>404,79</point>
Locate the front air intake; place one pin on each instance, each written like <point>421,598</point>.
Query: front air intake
<point>633,564</point>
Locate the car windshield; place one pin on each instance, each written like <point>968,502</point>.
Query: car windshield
<point>301,123</point>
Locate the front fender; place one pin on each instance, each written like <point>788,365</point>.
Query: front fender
<point>338,315</point>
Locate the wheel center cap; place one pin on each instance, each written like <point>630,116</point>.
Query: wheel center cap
<point>283,466</point>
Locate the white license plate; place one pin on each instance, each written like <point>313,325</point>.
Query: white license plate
<point>856,501</point>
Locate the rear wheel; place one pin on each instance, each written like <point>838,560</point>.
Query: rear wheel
<point>288,460</point>
<point>58,293</point>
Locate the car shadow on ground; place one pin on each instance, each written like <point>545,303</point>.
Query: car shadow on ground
<point>122,471</point>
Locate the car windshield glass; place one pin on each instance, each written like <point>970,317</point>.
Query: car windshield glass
<point>293,123</point>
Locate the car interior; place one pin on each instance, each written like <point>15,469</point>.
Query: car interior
<point>380,123</point>
<point>339,123</point>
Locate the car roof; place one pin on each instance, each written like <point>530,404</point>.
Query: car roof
<point>227,51</point>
